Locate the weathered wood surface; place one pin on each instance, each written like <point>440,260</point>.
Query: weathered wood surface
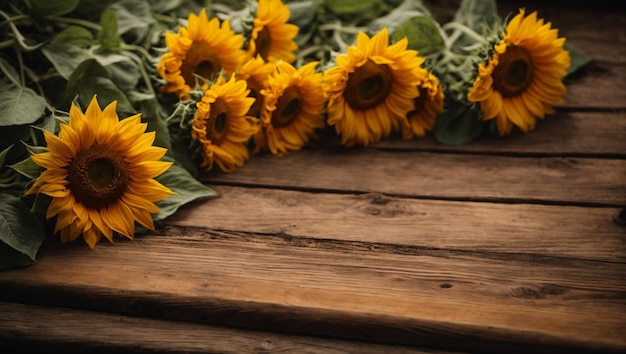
<point>63,330</point>
<point>501,245</point>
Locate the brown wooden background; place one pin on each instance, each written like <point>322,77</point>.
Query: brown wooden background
<point>501,245</point>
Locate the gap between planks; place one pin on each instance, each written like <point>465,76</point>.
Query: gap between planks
<point>439,175</point>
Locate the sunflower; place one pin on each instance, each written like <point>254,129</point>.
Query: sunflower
<point>372,87</point>
<point>202,49</point>
<point>272,37</point>
<point>293,107</point>
<point>427,106</point>
<point>255,72</point>
<point>523,77</point>
<point>221,125</point>
<point>100,174</point>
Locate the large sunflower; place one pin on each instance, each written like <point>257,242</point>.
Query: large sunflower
<point>204,49</point>
<point>222,126</point>
<point>272,37</point>
<point>293,107</point>
<point>427,106</point>
<point>523,77</point>
<point>255,72</point>
<point>100,172</point>
<point>372,88</point>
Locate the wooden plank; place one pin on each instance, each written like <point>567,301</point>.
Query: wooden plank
<point>567,232</point>
<point>453,300</point>
<point>439,175</point>
<point>586,134</point>
<point>62,330</point>
<point>601,87</point>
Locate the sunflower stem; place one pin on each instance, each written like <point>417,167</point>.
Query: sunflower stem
<point>140,49</point>
<point>75,21</point>
<point>21,40</point>
<point>142,70</point>
<point>313,49</point>
<point>466,30</point>
<point>7,43</point>
<point>336,27</point>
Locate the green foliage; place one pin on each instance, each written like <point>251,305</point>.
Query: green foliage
<point>353,8</point>
<point>477,14</point>
<point>460,123</point>
<point>52,7</point>
<point>108,38</point>
<point>404,12</point>
<point>91,78</point>
<point>21,233</point>
<point>187,189</point>
<point>422,33</point>
<point>74,35</point>
<point>20,105</point>
<point>578,59</point>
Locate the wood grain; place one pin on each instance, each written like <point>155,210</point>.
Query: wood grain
<point>601,88</point>
<point>460,301</point>
<point>63,330</point>
<point>594,29</point>
<point>558,231</point>
<point>439,175</point>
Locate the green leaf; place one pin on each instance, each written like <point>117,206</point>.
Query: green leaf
<point>3,155</point>
<point>32,149</point>
<point>578,59</point>
<point>74,35</point>
<point>123,71</point>
<point>10,71</point>
<point>91,78</point>
<point>399,15</point>
<point>187,188</point>
<point>350,7</point>
<point>422,33</point>
<point>477,14</point>
<point>134,19</point>
<point>20,105</point>
<point>27,168</point>
<point>52,7</point>
<point>302,13</point>
<point>11,258</point>
<point>90,10</point>
<point>107,37</point>
<point>66,57</point>
<point>459,123</point>
<point>19,228</point>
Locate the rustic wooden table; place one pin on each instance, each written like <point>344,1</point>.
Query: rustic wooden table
<point>501,245</point>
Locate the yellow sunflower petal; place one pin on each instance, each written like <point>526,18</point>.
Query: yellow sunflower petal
<point>376,84</point>
<point>522,79</point>
<point>92,169</point>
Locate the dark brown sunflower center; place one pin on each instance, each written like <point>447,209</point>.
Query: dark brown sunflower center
<point>288,107</point>
<point>98,176</point>
<point>217,124</point>
<point>368,85</point>
<point>514,71</point>
<point>200,60</point>
<point>263,43</point>
<point>255,92</point>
